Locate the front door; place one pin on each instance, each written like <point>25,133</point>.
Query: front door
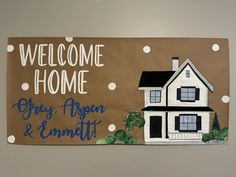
<point>155,126</point>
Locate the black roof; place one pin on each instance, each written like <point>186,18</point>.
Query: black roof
<point>176,108</point>
<point>155,78</point>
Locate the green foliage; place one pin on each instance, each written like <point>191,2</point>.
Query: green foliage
<point>101,141</point>
<point>129,139</point>
<point>110,139</point>
<point>132,119</point>
<point>216,133</point>
<point>207,137</point>
<point>119,137</point>
<point>216,125</point>
<point>224,133</point>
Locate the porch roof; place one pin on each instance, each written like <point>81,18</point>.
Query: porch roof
<point>177,108</point>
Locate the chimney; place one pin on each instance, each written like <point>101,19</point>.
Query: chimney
<point>175,63</point>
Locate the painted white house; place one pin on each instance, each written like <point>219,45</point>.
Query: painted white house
<point>176,104</point>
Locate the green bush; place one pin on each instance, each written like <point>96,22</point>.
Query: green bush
<point>216,133</point>
<point>207,137</point>
<point>130,139</point>
<point>224,133</point>
<point>219,135</point>
<point>110,139</point>
<point>101,141</point>
<point>120,136</point>
<point>132,119</point>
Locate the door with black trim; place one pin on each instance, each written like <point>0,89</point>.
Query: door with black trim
<point>155,126</point>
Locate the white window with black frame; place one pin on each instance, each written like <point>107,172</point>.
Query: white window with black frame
<point>188,127</point>
<point>188,123</point>
<point>188,94</point>
<point>155,96</point>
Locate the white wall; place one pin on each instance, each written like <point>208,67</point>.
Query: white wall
<point>147,97</point>
<point>194,81</point>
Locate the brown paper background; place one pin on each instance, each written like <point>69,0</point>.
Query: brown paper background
<point>124,61</point>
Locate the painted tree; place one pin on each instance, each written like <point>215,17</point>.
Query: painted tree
<point>216,125</point>
<point>132,119</point>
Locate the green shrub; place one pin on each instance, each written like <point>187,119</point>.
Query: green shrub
<point>224,133</point>
<point>216,133</point>
<point>101,141</point>
<point>132,119</point>
<point>120,137</point>
<point>207,137</point>
<point>130,139</point>
<point>110,139</point>
<point>219,135</point>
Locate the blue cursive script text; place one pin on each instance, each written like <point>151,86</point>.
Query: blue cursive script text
<point>75,109</point>
<point>27,107</point>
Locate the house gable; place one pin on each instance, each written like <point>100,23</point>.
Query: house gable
<point>194,69</point>
<point>187,79</point>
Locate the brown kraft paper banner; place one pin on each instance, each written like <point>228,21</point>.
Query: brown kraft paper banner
<point>72,90</point>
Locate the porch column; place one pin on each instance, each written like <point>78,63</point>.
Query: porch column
<point>167,136</point>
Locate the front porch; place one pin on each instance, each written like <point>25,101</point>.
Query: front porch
<point>178,138</point>
<point>185,135</point>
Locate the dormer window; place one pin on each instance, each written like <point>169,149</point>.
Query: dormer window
<point>187,73</point>
<point>155,96</point>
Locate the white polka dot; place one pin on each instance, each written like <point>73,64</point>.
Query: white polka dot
<point>25,86</point>
<point>69,39</point>
<point>215,47</point>
<point>146,49</point>
<point>10,48</point>
<point>111,127</point>
<point>11,139</point>
<point>225,99</point>
<point>112,86</point>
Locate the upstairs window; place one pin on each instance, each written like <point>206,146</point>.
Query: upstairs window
<point>188,94</point>
<point>187,73</point>
<point>155,96</point>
